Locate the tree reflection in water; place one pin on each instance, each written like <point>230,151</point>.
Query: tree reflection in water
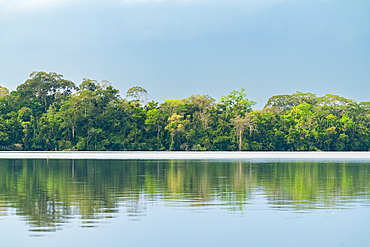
<point>50,193</point>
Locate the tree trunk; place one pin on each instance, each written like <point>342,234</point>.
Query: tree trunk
<point>46,108</point>
<point>158,130</point>
<point>171,142</point>
<point>240,139</point>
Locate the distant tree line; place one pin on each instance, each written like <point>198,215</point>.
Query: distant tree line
<point>48,112</point>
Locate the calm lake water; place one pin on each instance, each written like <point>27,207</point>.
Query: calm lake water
<point>184,203</point>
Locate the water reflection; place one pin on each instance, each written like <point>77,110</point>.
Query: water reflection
<point>50,194</point>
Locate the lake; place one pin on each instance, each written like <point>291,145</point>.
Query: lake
<point>64,202</point>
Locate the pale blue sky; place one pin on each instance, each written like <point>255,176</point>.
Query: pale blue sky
<point>175,48</point>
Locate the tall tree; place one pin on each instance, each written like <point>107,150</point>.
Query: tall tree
<point>138,94</point>
<point>44,89</point>
<point>237,100</point>
<point>240,123</point>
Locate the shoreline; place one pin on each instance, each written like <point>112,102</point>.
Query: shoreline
<point>183,155</point>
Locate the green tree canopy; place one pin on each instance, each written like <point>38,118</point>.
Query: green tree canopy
<point>237,100</point>
<point>137,93</point>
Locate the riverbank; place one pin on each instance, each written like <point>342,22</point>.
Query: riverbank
<point>144,155</point>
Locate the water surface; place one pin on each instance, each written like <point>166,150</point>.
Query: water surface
<point>183,203</point>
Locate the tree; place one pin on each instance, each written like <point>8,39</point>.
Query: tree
<point>138,94</point>
<point>239,124</point>
<point>334,100</point>
<point>27,121</point>
<point>45,89</point>
<point>237,100</point>
<point>171,106</point>
<point>70,113</point>
<point>286,102</point>
<point>175,126</point>
<point>154,117</point>
<point>201,103</point>
<point>92,132</point>
<point>3,91</point>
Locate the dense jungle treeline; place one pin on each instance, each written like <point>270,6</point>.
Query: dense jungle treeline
<point>48,112</point>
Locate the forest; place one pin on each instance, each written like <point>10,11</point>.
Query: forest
<point>48,112</point>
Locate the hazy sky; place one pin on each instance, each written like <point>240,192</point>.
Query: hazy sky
<point>176,48</point>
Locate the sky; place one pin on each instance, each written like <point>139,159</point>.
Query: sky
<point>177,48</point>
